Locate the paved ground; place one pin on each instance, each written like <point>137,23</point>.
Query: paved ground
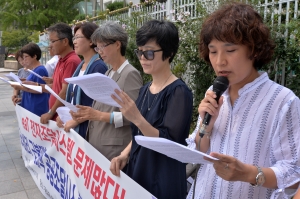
<point>15,179</point>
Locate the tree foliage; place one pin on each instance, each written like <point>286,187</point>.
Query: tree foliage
<point>13,40</point>
<point>36,14</point>
<point>284,68</point>
<point>115,5</point>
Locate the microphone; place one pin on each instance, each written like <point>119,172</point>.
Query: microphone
<point>220,85</point>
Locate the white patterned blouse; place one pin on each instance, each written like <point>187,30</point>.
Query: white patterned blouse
<point>262,128</point>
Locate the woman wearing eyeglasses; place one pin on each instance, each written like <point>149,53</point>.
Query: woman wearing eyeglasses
<point>91,63</point>
<point>163,109</point>
<point>108,130</point>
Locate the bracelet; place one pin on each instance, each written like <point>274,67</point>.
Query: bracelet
<point>111,117</point>
<point>50,112</point>
<point>202,131</point>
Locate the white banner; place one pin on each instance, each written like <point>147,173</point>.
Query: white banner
<point>64,165</point>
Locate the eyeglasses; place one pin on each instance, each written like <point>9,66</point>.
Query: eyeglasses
<point>100,48</point>
<point>51,42</point>
<point>77,37</point>
<point>148,54</point>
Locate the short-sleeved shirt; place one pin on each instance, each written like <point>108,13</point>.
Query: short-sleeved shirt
<point>65,68</point>
<point>51,64</point>
<point>170,112</point>
<point>36,103</point>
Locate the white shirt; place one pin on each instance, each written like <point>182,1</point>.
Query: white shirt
<point>261,128</point>
<point>118,117</point>
<point>51,64</point>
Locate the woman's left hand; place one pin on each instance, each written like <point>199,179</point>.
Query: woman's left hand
<point>230,168</point>
<point>128,107</point>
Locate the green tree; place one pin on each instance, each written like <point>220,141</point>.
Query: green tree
<point>14,40</point>
<point>36,14</point>
<point>115,5</point>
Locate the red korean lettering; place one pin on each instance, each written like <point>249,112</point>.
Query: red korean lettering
<point>103,179</point>
<point>54,137</point>
<point>95,189</point>
<point>116,192</point>
<point>78,160</point>
<point>25,123</point>
<point>62,143</point>
<point>87,171</point>
<point>44,133</point>
<point>108,182</point>
<point>32,128</point>
<point>69,150</point>
<point>38,130</point>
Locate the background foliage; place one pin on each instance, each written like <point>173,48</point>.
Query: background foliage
<point>36,14</point>
<point>29,15</point>
<point>187,65</point>
<point>115,5</point>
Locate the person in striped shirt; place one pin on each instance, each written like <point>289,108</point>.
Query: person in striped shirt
<point>255,125</point>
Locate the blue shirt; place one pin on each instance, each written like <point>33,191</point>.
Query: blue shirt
<point>36,103</point>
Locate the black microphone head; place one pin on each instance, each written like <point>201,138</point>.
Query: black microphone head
<point>220,85</point>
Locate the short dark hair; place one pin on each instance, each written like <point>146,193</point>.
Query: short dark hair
<point>32,49</point>
<point>238,23</point>
<point>18,55</point>
<point>111,32</point>
<point>87,29</point>
<point>63,30</point>
<point>164,33</point>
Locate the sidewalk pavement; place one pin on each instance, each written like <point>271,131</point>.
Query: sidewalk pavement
<point>7,70</point>
<point>15,180</point>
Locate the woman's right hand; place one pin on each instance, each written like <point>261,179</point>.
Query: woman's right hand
<point>118,163</point>
<point>13,97</point>
<point>70,125</point>
<point>210,105</point>
<point>59,122</point>
<point>17,100</point>
<point>48,80</point>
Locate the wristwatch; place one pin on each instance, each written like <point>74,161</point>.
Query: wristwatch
<point>50,112</point>
<point>260,178</point>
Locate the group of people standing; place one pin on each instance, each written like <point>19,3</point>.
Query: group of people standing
<point>254,127</point>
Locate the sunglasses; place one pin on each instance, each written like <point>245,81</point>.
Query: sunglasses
<point>148,54</point>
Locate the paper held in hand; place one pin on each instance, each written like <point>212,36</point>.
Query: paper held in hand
<point>97,86</point>
<point>173,150</point>
<point>35,73</point>
<point>32,87</point>
<point>67,104</point>
<point>13,77</point>
<point>64,114</point>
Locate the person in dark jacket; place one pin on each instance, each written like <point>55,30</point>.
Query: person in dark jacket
<point>91,63</point>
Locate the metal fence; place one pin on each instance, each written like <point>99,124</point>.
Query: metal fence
<point>277,11</point>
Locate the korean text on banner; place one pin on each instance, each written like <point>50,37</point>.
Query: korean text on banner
<point>64,165</point>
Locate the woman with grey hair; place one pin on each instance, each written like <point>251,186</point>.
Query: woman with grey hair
<point>108,131</point>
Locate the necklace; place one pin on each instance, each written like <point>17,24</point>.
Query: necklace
<point>156,95</point>
<point>149,108</point>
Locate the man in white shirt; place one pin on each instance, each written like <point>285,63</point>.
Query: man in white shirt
<point>51,64</point>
